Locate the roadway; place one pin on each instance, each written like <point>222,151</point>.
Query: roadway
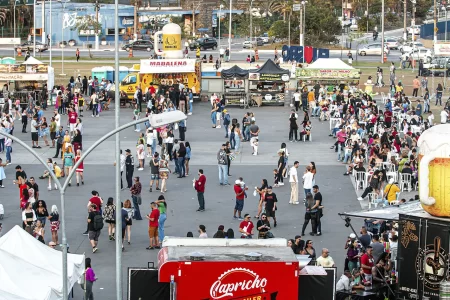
<point>237,52</point>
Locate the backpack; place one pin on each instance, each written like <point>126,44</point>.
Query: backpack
<point>98,222</point>
<point>226,120</point>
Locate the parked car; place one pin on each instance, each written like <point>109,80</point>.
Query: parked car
<point>372,49</point>
<point>420,53</point>
<point>408,47</point>
<point>391,43</point>
<point>247,45</point>
<point>40,47</point>
<point>139,45</point>
<point>413,29</point>
<point>437,67</point>
<point>265,39</point>
<point>203,44</point>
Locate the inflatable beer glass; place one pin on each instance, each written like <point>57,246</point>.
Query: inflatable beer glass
<point>171,41</point>
<point>434,170</point>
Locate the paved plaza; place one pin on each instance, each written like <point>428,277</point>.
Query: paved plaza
<point>337,190</point>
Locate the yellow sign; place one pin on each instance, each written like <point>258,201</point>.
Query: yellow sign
<point>327,74</point>
<point>436,29</point>
<point>171,42</point>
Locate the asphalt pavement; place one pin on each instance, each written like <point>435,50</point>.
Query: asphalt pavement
<point>338,191</point>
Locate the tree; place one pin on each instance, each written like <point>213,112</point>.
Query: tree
<point>282,7</point>
<point>87,23</point>
<point>279,29</point>
<point>321,25</point>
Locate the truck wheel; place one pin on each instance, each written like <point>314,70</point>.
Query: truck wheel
<point>202,48</point>
<point>149,49</point>
<point>363,53</point>
<point>214,47</point>
<point>127,49</point>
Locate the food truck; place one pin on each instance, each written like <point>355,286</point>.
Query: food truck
<point>230,269</point>
<point>244,269</point>
<point>166,72</point>
<point>18,80</point>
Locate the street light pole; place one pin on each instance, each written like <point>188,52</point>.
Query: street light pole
<point>97,8</point>
<point>446,25</point>
<point>63,3</point>
<point>34,28</point>
<point>117,154</point>
<point>220,14</point>
<point>435,24</point>
<point>382,31</point>
<point>251,21</point>
<point>50,34</point>
<point>367,16</point>
<point>289,30</point>
<point>229,30</point>
<point>301,27</point>
<point>405,34</point>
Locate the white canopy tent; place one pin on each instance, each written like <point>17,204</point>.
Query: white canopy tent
<point>30,270</point>
<point>32,61</point>
<point>330,64</point>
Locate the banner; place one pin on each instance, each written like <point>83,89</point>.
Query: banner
<point>442,49</point>
<point>408,248</point>
<point>24,76</point>
<point>423,257</point>
<point>327,73</point>
<point>153,66</point>
<point>268,77</point>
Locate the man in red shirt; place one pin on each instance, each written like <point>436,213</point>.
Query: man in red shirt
<point>388,118</point>
<point>246,227</point>
<point>151,89</point>
<point>367,263</point>
<point>199,185</point>
<point>240,194</point>
<point>98,201</point>
<point>72,120</point>
<point>153,218</point>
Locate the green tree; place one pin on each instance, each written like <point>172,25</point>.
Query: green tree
<point>422,6</point>
<point>362,23</point>
<point>321,26</point>
<point>86,23</point>
<point>279,29</point>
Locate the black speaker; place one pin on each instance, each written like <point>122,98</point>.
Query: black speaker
<point>317,287</point>
<point>143,285</point>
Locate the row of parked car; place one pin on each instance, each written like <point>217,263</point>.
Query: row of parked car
<point>415,49</point>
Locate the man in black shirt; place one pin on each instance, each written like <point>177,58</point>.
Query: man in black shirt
<point>93,234</point>
<point>33,185</point>
<point>20,173</point>
<point>129,168</point>
<point>271,206</point>
<point>299,244</point>
<point>318,197</point>
<point>154,171</point>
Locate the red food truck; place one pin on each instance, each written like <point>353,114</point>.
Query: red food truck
<point>244,269</point>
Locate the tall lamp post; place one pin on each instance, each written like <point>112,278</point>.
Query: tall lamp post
<point>251,21</point>
<point>229,29</point>
<point>220,15</point>
<point>34,28</point>
<point>96,8</point>
<point>445,10</point>
<point>382,31</point>
<point>63,3</point>
<point>50,35</point>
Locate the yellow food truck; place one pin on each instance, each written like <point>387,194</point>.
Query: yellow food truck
<point>163,72</point>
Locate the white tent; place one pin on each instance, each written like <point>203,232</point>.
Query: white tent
<point>30,270</point>
<point>32,61</point>
<point>330,64</point>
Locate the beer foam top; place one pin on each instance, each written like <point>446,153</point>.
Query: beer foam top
<point>435,140</point>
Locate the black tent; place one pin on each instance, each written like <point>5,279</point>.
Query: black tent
<point>234,72</point>
<point>269,67</point>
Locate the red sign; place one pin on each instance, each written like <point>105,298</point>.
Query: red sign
<point>232,280</point>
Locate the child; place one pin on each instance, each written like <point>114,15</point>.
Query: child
<point>80,104</point>
<point>243,186</point>
<point>275,177</point>
<point>255,146</point>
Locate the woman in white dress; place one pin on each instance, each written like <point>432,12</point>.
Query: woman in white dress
<point>140,154</point>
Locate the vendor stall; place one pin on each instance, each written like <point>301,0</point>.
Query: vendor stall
<point>235,85</point>
<point>165,73</point>
<point>268,83</point>
<point>19,80</point>
<point>329,72</point>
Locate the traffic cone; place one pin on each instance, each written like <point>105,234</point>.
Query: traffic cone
<point>19,52</point>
